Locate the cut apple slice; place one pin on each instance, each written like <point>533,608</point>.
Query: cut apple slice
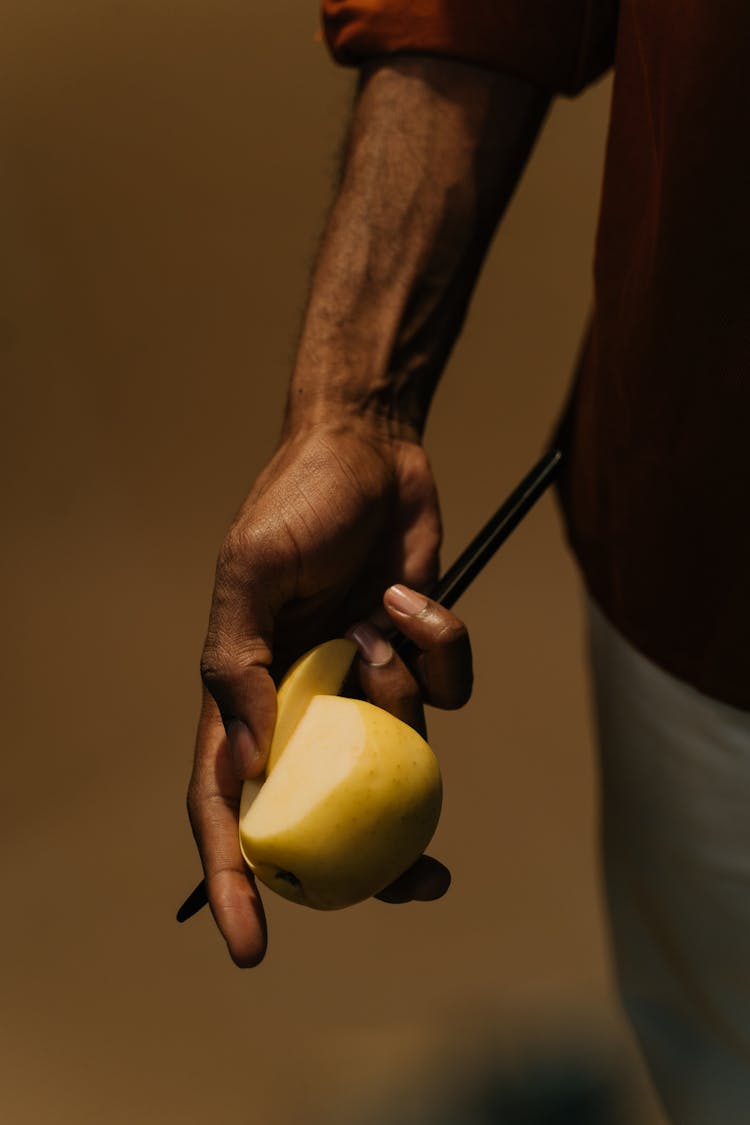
<point>321,671</point>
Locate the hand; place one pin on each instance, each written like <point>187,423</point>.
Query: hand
<point>338,515</point>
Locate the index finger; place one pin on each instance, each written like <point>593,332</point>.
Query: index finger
<point>213,806</point>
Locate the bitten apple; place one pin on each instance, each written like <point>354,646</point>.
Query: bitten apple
<point>351,795</point>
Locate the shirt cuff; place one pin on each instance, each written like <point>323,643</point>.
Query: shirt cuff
<point>560,45</point>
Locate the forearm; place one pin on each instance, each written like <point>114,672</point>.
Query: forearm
<point>434,152</point>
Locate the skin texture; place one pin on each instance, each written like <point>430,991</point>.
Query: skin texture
<point>348,506</point>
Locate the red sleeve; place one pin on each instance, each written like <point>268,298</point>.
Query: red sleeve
<point>559,44</point>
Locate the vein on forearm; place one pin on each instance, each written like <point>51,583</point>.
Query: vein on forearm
<point>433,154</point>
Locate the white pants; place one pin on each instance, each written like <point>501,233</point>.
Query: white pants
<point>676,840</point>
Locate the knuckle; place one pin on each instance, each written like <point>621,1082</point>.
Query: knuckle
<point>224,661</point>
<point>251,551</point>
<point>217,665</point>
<point>244,562</point>
<point>451,632</point>
<point>237,549</point>
<point>448,632</point>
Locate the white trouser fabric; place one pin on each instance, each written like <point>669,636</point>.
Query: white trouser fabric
<point>675,768</point>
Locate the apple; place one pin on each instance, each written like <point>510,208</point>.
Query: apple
<point>351,795</point>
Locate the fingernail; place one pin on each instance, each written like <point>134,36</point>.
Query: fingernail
<point>405,600</point>
<point>374,648</point>
<point>242,747</point>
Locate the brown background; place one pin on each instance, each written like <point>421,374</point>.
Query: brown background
<point>166,168</point>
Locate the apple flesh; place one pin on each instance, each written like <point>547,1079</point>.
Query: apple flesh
<point>351,795</point>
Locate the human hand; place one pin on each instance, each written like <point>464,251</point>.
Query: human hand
<point>338,515</point>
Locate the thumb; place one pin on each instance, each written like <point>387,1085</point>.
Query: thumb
<point>234,670</point>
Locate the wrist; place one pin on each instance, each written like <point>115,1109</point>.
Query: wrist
<point>374,415</point>
<point>336,393</point>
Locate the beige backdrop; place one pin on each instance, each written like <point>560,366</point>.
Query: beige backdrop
<point>166,167</point>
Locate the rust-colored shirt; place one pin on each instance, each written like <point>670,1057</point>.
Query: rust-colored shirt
<point>656,491</point>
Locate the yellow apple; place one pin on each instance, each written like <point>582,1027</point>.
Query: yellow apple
<point>351,795</point>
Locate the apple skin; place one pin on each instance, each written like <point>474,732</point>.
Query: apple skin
<point>351,796</point>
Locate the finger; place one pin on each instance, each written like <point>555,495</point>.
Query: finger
<point>213,806</point>
<point>425,881</point>
<point>234,664</point>
<point>444,667</point>
<point>384,678</point>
